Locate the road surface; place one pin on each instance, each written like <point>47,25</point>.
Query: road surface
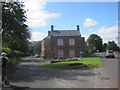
<point>32,74</point>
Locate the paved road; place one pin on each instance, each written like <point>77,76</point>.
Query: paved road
<point>110,69</point>
<point>32,74</point>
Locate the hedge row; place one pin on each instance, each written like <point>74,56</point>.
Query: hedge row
<point>14,56</point>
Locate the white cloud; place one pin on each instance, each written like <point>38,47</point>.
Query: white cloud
<point>37,36</point>
<point>106,33</point>
<point>36,14</point>
<point>90,29</point>
<point>89,22</point>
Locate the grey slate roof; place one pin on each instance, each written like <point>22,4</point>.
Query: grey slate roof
<point>65,33</point>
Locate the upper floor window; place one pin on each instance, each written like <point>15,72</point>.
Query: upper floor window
<point>71,41</point>
<point>60,42</point>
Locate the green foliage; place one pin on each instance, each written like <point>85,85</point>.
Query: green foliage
<point>31,48</point>
<point>7,50</point>
<point>14,56</point>
<point>93,55</point>
<point>90,62</point>
<point>94,42</point>
<point>15,32</point>
<point>104,46</point>
<point>35,47</point>
<point>112,46</point>
<point>10,53</point>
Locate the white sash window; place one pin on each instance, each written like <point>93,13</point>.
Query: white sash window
<point>71,41</point>
<point>60,42</point>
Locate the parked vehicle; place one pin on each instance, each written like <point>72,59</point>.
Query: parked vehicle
<point>37,55</point>
<point>109,54</point>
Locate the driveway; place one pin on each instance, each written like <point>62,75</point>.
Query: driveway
<point>32,74</point>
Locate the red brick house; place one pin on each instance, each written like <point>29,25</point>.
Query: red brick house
<point>63,44</point>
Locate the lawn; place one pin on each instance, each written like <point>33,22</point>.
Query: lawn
<point>89,62</point>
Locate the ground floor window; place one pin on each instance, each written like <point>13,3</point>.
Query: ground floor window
<point>71,53</point>
<point>60,53</point>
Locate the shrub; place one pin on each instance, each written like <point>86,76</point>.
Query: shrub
<point>14,56</point>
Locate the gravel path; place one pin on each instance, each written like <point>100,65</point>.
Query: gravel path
<point>32,74</point>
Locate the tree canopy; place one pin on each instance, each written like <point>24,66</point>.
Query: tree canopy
<point>35,47</point>
<point>15,32</point>
<point>112,46</point>
<point>94,42</point>
<point>104,46</point>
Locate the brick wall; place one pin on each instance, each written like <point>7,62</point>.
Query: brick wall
<point>79,46</point>
<point>50,46</point>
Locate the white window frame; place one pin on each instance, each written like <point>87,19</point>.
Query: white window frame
<point>60,53</point>
<point>72,41</point>
<point>60,42</point>
<point>71,53</point>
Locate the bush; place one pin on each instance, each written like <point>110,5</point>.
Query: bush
<point>11,53</point>
<point>14,56</point>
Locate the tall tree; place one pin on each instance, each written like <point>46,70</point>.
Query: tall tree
<point>31,48</point>
<point>94,42</point>
<point>112,46</point>
<point>104,46</point>
<point>35,47</point>
<point>15,32</point>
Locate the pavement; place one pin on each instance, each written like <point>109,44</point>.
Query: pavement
<point>30,73</point>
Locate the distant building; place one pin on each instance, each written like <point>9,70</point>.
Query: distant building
<point>63,44</point>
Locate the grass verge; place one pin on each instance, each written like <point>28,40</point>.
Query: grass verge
<point>90,62</point>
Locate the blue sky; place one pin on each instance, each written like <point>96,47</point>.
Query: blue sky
<point>93,17</point>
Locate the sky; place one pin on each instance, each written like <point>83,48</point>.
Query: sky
<point>100,18</point>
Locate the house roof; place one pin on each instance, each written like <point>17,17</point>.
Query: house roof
<point>65,33</point>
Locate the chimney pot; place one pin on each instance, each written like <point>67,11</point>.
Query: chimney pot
<point>78,27</point>
<point>52,27</point>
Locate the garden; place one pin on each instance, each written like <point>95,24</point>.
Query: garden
<point>76,63</point>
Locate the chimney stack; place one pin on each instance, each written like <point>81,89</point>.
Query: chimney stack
<point>78,28</point>
<point>52,27</point>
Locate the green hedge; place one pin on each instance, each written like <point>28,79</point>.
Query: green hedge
<point>14,56</point>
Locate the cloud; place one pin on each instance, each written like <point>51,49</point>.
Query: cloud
<point>89,22</point>
<point>37,36</point>
<point>90,29</point>
<point>108,34</point>
<point>36,14</point>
